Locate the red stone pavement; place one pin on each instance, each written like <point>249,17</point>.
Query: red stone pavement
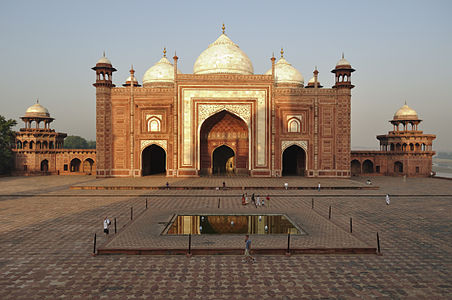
<point>46,244</point>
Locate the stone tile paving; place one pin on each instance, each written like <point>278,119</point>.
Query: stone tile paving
<point>45,246</point>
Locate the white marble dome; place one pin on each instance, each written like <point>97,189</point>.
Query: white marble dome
<point>406,113</point>
<point>223,56</point>
<point>104,60</point>
<point>343,62</point>
<point>286,73</point>
<point>162,71</point>
<point>37,110</point>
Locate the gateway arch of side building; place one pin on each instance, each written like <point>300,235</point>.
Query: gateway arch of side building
<point>222,119</point>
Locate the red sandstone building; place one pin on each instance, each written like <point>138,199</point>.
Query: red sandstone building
<point>223,119</point>
<point>39,149</point>
<point>404,151</point>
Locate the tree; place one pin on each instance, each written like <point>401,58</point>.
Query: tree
<point>6,145</point>
<point>75,142</point>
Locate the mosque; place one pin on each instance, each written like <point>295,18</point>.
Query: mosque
<point>225,120</point>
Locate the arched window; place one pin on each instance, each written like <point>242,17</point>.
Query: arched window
<point>19,145</point>
<point>44,145</point>
<point>51,145</point>
<point>154,124</point>
<point>345,77</point>
<point>25,144</point>
<point>411,147</point>
<point>293,125</point>
<point>31,144</point>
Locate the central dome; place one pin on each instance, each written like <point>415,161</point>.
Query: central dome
<point>223,56</point>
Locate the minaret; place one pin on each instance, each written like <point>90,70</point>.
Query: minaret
<point>343,72</point>
<point>104,72</point>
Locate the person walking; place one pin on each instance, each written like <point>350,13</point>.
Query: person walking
<point>258,201</point>
<point>387,199</point>
<point>248,256</point>
<point>107,223</point>
<point>318,187</point>
<point>243,199</point>
<point>253,199</point>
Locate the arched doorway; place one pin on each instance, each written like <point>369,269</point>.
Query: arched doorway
<point>75,165</point>
<point>153,161</point>
<point>45,166</point>
<point>224,128</point>
<point>223,160</point>
<point>294,161</point>
<point>356,167</point>
<point>88,165</point>
<point>368,166</point>
<point>398,167</point>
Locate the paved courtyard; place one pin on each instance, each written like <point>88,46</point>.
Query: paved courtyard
<point>47,231</point>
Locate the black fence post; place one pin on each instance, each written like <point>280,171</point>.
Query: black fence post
<point>218,202</point>
<point>146,203</point>
<point>131,213</point>
<point>329,213</point>
<point>189,244</point>
<point>351,225</point>
<point>288,243</point>
<point>115,225</point>
<point>312,203</point>
<point>94,249</point>
<point>378,243</point>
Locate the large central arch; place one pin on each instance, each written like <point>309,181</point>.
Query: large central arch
<point>224,128</point>
<point>294,161</point>
<point>153,160</point>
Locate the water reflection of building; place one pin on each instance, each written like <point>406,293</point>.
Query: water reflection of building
<point>230,224</point>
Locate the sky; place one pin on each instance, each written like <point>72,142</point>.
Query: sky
<point>401,50</point>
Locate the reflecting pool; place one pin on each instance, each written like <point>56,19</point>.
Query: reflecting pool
<point>232,224</point>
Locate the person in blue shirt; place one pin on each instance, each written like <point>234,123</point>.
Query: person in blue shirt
<point>248,249</point>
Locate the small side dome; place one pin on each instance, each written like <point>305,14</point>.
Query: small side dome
<point>104,60</point>
<point>406,113</point>
<point>286,73</point>
<point>311,83</point>
<point>223,56</point>
<point>37,110</point>
<point>161,72</point>
<point>131,80</point>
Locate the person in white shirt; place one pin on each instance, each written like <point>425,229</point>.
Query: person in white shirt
<point>387,199</point>
<point>106,224</point>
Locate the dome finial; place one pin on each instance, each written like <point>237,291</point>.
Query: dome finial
<point>405,102</point>
<point>316,68</point>
<point>282,53</point>
<point>342,55</point>
<point>164,51</point>
<point>273,54</point>
<point>223,28</point>
<point>104,54</point>
<point>37,100</point>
